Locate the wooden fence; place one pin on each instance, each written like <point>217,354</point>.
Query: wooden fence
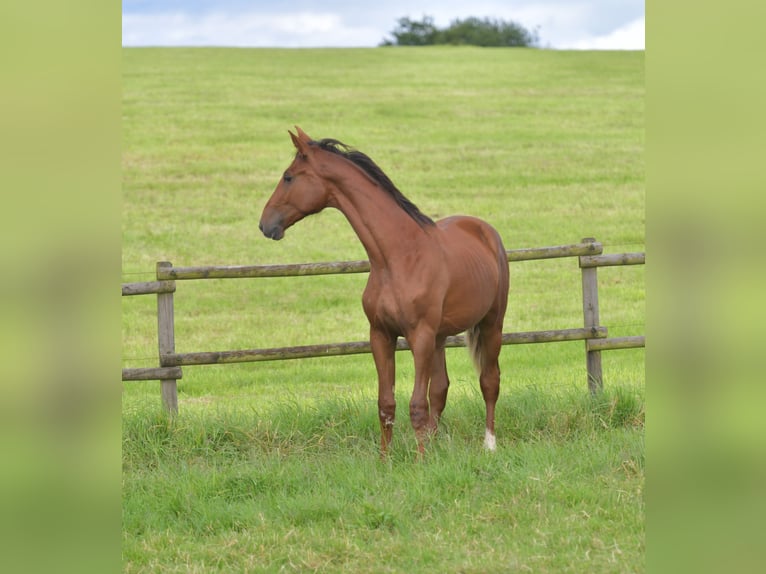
<point>589,253</point>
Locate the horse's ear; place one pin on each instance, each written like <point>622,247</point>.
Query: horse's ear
<point>301,141</point>
<point>303,136</point>
<point>298,141</point>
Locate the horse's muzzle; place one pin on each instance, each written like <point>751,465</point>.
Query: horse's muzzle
<point>273,231</point>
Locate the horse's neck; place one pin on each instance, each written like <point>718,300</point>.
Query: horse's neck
<point>382,226</point>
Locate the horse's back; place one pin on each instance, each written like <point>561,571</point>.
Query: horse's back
<point>462,231</point>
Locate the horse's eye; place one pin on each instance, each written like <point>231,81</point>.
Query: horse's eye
<point>287,177</point>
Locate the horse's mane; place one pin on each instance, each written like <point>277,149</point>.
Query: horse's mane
<point>369,167</point>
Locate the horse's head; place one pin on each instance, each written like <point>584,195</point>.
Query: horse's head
<point>299,193</point>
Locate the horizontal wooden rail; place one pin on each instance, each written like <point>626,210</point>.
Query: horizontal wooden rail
<point>251,271</point>
<point>361,347</point>
<point>152,374</point>
<point>333,267</point>
<point>148,287</point>
<point>615,343</point>
<point>613,259</point>
<point>573,250</point>
<point>555,336</point>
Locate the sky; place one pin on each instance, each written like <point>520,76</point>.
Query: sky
<point>560,24</point>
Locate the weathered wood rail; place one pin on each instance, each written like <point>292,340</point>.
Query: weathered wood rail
<point>588,251</point>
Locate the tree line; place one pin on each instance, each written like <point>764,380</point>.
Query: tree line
<point>470,31</point>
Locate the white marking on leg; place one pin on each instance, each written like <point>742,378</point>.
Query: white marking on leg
<point>388,422</point>
<point>490,442</point>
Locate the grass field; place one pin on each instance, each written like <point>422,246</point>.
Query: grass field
<point>273,466</point>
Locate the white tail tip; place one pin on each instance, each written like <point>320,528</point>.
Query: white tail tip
<point>490,443</point>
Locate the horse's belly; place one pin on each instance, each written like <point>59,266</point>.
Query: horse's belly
<point>463,313</point>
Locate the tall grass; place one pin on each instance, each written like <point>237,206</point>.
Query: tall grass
<point>300,488</point>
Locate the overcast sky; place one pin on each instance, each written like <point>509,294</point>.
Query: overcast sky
<point>561,24</point>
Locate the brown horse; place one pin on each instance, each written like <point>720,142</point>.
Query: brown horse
<point>428,280</point>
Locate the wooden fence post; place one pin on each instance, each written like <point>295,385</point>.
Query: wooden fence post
<point>591,320</point>
<point>166,341</point>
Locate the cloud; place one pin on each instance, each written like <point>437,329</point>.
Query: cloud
<point>242,29</point>
<point>627,37</point>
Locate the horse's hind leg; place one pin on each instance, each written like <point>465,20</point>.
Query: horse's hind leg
<point>490,340</point>
<point>437,391</point>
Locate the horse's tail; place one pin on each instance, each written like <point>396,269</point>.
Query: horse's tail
<point>474,346</point>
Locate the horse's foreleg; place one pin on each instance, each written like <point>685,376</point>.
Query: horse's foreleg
<point>383,346</point>
<point>437,392</point>
<point>423,347</point>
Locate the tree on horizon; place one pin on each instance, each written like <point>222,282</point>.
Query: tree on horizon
<point>470,31</point>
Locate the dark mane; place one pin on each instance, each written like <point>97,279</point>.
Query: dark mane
<point>366,164</point>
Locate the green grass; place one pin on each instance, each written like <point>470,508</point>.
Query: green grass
<point>298,486</point>
<point>274,466</point>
